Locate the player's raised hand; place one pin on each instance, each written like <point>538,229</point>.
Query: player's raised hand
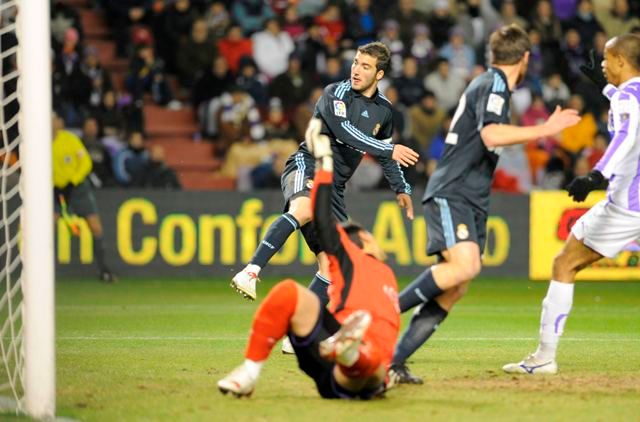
<point>561,119</point>
<point>319,145</point>
<point>404,202</point>
<point>404,155</point>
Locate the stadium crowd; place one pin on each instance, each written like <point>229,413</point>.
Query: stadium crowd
<point>253,69</point>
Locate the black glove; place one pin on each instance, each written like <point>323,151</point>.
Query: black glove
<point>593,71</point>
<point>580,187</point>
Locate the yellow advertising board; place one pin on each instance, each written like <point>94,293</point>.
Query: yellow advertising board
<point>552,214</point>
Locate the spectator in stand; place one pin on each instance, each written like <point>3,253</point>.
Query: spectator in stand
<point>293,25</point>
<point>217,19</point>
<point>292,86</point>
<point>440,22</point>
<point>478,19</point>
<point>409,84</point>
<point>308,8</point>
<point>509,15</point>
<point>540,61</point>
<point>130,163</point>
<point>580,136</point>
<point>216,80</point>
<point>547,25</point>
<point>271,49</point>
<point>595,153</point>
<point>554,91</point>
<point>421,47</point>
<point>123,14</point>
<point>251,14</point>
<point>618,20</point>
<point>564,10</point>
<point>110,117</point>
<point>445,84</point>
<point>147,75</point>
<point>512,172</point>
<point>399,116</point>
<point>391,38</point>
<point>407,17</point>
<point>312,48</point>
<point>436,147</point>
<point>361,23</point>
<point>157,175</point>
<point>195,55</point>
<point>461,57</point>
<point>98,75</point>
<point>539,151</point>
<point>573,56</point>
<point>253,82</point>
<point>178,23</point>
<point>334,71</point>
<point>585,23</point>
<point>331,25</point>
<point>276,125</point>
<point>304,112</point>
<point>234,46</point>
<point>63,17</point>
<point>426,119</point>
<point>71,87</point>
<point>101,174</point>
<point>232,117</point>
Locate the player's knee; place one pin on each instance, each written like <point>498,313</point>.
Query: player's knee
<point>459,291</point>
<point>468,270</point>
<point>302,211</point>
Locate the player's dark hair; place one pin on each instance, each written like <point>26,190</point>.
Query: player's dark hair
<point>508,45</point>
<point>353,230</point>
<point>379,51</point>
<point>628,46</point>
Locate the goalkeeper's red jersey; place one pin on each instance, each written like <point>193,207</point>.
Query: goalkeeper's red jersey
<point>358,281</point>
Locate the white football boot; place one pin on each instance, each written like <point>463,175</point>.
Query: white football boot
<point>245,283</point>
<point>532,366</point>
<point>342,347</point>
<point>287,347</point>
<point>238,382</point>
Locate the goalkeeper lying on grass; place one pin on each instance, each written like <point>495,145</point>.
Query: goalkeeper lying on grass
<point>347,346</point>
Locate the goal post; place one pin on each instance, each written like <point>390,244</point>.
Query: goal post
<point>34,93</point>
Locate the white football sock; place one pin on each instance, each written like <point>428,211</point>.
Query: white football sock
<point>253,368</point>
<point>555,310</point>
<point>253,268</point>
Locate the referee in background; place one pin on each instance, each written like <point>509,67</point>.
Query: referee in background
<point>71,167</point>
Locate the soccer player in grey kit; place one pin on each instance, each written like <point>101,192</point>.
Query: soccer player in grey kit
<point>456,200</point>
<point>357,119</point>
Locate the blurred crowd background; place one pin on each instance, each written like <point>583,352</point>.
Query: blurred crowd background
<point>204,94</point>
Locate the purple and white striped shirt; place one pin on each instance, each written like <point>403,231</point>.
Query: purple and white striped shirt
<point>621,161</point>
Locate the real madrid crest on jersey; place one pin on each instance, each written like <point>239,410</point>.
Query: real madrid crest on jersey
<point>376,129</point>
<point>462,232</point>
<point>309,184</point>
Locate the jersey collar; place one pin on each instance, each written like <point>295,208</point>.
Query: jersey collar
<point>502,75</point>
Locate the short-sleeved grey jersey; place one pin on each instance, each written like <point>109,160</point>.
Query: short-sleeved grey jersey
<point>466,168</point>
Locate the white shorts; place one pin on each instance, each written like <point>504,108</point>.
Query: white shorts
<point>607,228</point>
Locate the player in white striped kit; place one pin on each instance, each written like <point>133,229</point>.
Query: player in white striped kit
<point>612,223</point>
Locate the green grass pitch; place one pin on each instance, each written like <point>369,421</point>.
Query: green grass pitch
<point>151,350</point>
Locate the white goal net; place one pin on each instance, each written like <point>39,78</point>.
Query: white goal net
<point>26,247</point>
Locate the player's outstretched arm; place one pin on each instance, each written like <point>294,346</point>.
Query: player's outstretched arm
<point>394,175</point>
<point>320,147</point>
<point>497,135</point>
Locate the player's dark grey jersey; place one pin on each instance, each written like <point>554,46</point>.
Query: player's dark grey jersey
<point>466,168</point>
<point>357,124</point>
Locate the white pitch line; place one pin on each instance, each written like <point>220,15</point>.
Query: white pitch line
<point>186,338</point>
